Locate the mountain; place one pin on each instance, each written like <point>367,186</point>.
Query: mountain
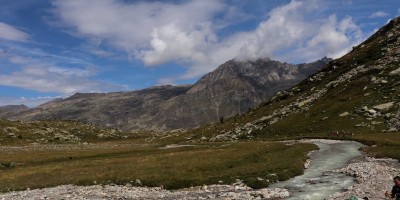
<point>357,93</point>
<point>10,110</point>
<point>231,89</point>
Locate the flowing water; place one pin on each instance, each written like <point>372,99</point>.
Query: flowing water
<point>318,181</point>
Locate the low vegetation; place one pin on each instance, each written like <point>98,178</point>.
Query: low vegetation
<point>256,163</point>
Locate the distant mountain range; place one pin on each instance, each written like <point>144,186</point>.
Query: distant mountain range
<point>231,89</point>
<point>10,110</point>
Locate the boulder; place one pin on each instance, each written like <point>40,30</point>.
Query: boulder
<point>344,114</point>
<point>395,72</point>
<point>384,107</point>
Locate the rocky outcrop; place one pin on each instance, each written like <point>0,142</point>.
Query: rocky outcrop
<point>231,89</point>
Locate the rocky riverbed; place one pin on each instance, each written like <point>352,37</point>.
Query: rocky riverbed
<point>373,178</point>
<point>66,192</point>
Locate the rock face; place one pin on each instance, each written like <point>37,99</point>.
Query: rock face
<point>12,110</point>
<point>231,89</point>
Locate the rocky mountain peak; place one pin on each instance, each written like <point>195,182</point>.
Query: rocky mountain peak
<point>231,89</point>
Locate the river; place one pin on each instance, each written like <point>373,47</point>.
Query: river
<point>318,181</point>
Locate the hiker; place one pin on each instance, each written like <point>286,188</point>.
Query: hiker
<point>396,189</point>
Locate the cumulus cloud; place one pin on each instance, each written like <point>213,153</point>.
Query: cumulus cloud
<point>8,32</point>
<point>379,14</point>
<point>136,27</point>
<point>186,32</point>
<point>289,34</point>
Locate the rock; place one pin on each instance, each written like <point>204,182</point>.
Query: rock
<point>384,107</point>
<point>11,135</point>
<point>372,111</point>
<point>395,72</point>
<point>392,130</point>
<point>344,114</point>
<point>365,108</point>
<point>138,182</point>
<point>11,129</point>
<point>274,193</point>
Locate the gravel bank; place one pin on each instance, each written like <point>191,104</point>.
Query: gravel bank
<point>67,192</point>
<point>373,178</point>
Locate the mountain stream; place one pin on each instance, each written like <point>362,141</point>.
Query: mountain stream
<point>318,180</point>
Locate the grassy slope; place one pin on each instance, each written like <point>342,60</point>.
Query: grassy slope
<point>322,115</point>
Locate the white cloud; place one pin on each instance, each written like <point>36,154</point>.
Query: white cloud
<point>166,81</point>
<point>40,71</point>
<point>46,79</point>
<point>334,38</point>
<point>8,32</point>
<point>131,27</point>
<point>170,43</point>
<point>288,35</point>
<point>186,32</point>
<point>379,14</point>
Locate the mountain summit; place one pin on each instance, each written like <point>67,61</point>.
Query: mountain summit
<point>357,93</point>
<point>231,89</point>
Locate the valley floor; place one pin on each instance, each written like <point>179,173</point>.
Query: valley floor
<point>373,178</point>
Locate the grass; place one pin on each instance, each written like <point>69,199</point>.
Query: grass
<point>171,168</point>
<point>381,145</point>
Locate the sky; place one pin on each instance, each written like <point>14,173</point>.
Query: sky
<point>55,48</point>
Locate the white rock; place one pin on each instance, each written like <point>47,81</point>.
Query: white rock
<point>395,72</point>
<point>344,114</point>
<point>385,106</point>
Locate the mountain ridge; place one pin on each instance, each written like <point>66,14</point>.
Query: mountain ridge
<point>231,89</point>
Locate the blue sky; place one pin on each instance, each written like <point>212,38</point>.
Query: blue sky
<point>51,49</point>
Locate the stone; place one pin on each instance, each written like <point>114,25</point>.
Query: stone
<point>385,106</point>
<point>344,114</point>
<point>395,72</point>
<point>138,182</point>
<point>365,108</point>
<point>11,129</point>
<point>11,135</point>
